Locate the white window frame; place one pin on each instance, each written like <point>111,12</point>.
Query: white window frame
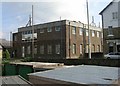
<point>93,33</point>
<point>98,34</point>
<point>81,46</point>
<point>73,30</point>
<point>74,49</point>
<point>81,31</point>
<point>49,29</point>
<point>57,28</point>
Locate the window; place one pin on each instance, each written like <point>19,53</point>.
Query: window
<point>86,32</point>
<point>23,51</point>
<point>115,15</point>
<point>57,28</point>
<point>57,49</point>
<point>41,30</point>
<point>49,48</point>
<point>98,48</point>
<point>110,32</point>
<point>98,34</point>
<point>42,49</point>
<point>87,46</point>
<point>74,48</point>
<point>93,48</point>
<point>28,50</point>
<point>81,49</point>
<point>49,29</point>
<point>28,36</point>
<point>73,30</point>
<point>93,33</point>
<point>81,31</point>
<point>35,36</point>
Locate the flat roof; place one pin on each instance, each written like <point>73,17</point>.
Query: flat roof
<point>82,74</point>
<point>59,23</point>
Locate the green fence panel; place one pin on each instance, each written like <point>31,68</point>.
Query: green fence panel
<point>24,70</point>
<point>10,69</point>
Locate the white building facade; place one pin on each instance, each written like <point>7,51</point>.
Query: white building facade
<point>111,27</point>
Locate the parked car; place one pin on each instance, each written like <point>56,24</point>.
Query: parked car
<point>112,55</point>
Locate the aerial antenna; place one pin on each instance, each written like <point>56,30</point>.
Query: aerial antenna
<point>29,21</point>
<point>93,23</point>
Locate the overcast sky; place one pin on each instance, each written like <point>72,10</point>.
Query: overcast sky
<point>16,14</point>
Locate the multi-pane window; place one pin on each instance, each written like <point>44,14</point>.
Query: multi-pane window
<point>28,50</point>
<point>86,32</point>
<point>115,15</point>
<point>81,49</point>
<point>49,49</point>
<point>98,34</point>
<point>110,32</point>
<point>49,29</point>
<point>41,30</point>
<point>74,49</point>
<point>57,49</point>
<point>27,35</point>
<point>81,31</point>
<point>57,28</point>
<point>93,48</point>
<point>73,30</point>
<point>93,33</point>
<point>98,48</point>
<point>42,49</point>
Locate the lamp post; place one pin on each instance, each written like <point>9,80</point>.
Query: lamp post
<point>32,35</point>
<point>89,39</point>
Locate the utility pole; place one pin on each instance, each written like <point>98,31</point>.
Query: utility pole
<point>89,39</point>
<point>32,34</point>
<point>11,38</point>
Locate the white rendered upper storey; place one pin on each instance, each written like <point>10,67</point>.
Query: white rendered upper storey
<point>111,14</point>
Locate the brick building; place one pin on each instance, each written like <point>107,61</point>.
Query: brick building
<point>57,40</point>
<point>111,27</point>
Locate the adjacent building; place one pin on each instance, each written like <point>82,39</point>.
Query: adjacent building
<point>111,27</point>
<point>57,40</point>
